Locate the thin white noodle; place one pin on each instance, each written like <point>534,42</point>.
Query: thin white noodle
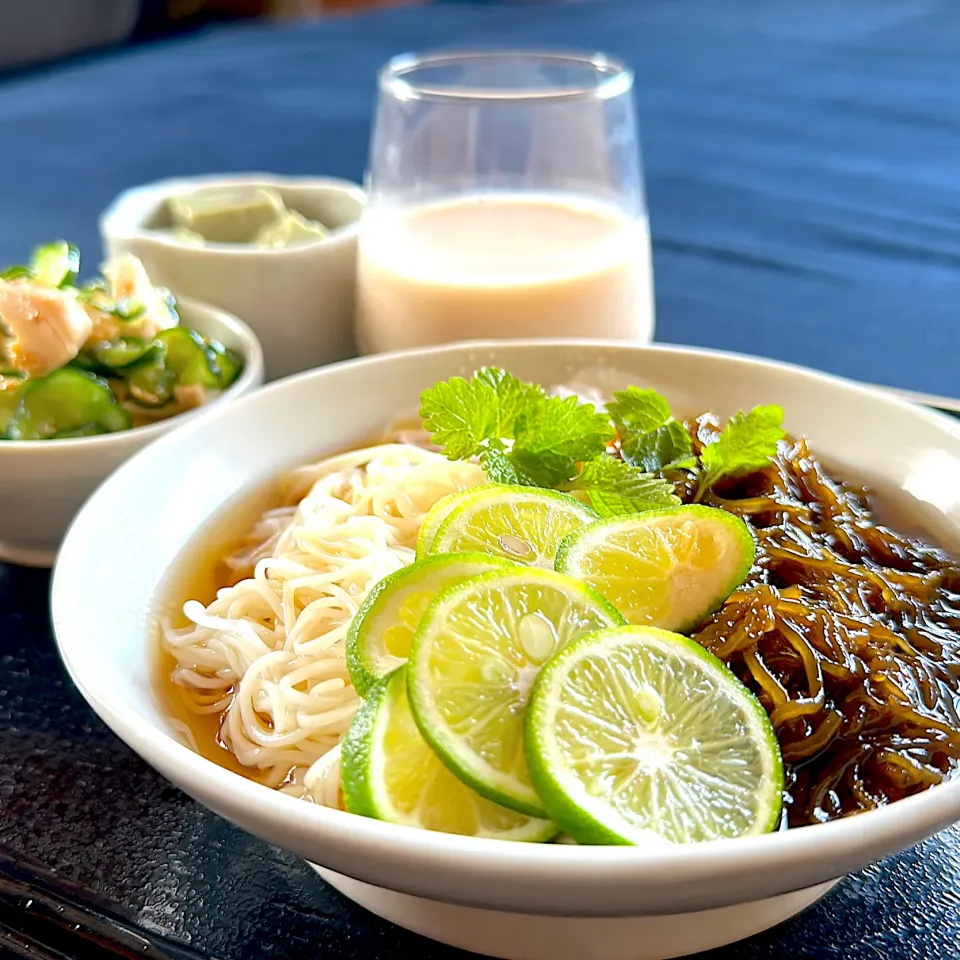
<point>268,653</point>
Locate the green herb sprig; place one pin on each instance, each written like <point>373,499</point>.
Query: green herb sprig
<point>747,443</point>
<point>524,436</point>
<point>649,436</point>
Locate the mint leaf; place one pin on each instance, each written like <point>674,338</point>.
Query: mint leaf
<point>747,442</point>
<point>649,436</point>
<point>460,416</point>
<point>666,448</point>
<point>554,434</point>
<point>499,468</point>
<point>465,416</point>
<point>637,410</point>
<point>544,469</point>
<point>512,397</point>
<point>616,488</point>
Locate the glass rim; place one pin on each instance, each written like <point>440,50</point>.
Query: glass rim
<point>612,77</point>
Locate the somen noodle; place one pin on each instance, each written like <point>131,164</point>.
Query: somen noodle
<point>268,653</point>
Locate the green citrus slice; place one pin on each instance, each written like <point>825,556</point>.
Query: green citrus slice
<point>635,735</point>
<point>522,524</point>
<point>382,630</point>
<point>473,661</point>
<point>668,568</point>
<point>434,519</point>
<point>389,772</point>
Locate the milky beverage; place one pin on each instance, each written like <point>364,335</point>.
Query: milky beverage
<point>488,266</point>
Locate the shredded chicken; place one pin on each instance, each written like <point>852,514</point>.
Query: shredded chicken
<point>127,280</point>
<point>190,396</point>
<point>41,328</point>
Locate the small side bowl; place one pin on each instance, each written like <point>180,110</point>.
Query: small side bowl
<point>299,300</point>
<point>44,483</point>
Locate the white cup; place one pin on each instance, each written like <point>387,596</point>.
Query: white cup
<point>299,300</point>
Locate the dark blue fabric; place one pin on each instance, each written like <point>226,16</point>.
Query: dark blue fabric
<point>802,159</point>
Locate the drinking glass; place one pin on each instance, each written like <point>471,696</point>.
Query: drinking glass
<point>505,200</point>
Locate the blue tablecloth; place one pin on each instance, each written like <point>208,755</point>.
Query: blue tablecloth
<point>803,177</point>
<point>802,159</point>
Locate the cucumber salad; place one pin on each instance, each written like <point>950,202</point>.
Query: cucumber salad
<point>78,360</point>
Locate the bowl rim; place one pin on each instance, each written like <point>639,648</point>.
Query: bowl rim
<point>250,376</point>
<point>117,219</point>
<point>885,829</point>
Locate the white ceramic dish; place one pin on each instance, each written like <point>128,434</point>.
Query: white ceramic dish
<point>43,483</point>
<point>299,300</point>
<point>549,902</point>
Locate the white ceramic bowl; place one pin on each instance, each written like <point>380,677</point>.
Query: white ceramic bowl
<point>299,300</point>
<point>44,482</point>
<point>548,902</point>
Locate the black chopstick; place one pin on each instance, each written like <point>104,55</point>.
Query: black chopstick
<point>22,945</point>
<point>60,930</point>
<point>43,917</point>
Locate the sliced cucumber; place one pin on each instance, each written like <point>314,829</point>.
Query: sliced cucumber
<point>66,402</point>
